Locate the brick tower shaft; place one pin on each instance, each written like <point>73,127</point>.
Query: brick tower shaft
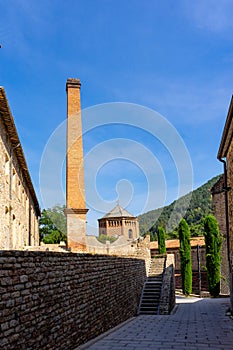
<point>75,189</point>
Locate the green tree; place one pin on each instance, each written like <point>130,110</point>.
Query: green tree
<point>52,225</point>
<point>153,236</point>
<point>103,238</point>
<point>213,242</point>
<point>161,240</point>
<point>200,205</point>
<point>185,257</point>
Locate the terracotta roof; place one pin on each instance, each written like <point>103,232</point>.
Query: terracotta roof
<point>175,243</point>
<point>8,121</point>
<point>227,133</point>
<point>118,212</point>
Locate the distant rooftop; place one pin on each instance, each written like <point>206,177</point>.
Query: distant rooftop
<point>175,243</point>
<point>118,212</point>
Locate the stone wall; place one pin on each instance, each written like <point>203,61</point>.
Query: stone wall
<point>230,205</point>
<point>167,297</point>
<point>218,202</point>
<point>61,300</point>
<point>176,253</point>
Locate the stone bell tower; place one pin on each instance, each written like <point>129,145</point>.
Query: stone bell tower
<point>75,191</point>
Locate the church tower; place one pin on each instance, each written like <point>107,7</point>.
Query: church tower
<point>75,190</point>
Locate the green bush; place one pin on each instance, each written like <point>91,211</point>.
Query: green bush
<point>213,242</point>
<point>161,240</point>
<point>185,257</point>
<point>103,238</point>
<point>52,225</point>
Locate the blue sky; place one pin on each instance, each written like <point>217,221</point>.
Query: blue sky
<point>174,57</point>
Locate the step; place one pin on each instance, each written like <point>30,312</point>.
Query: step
<point>151,288</point>
<point>155,275</point>
<point>149,302</point>
<point>151,296</point>
<point>152,291</point>
<point>154,280</point>
<point>150,309</point>
<point>148,313</point>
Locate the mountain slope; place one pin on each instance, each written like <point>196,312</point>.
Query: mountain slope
<point>169,216</point>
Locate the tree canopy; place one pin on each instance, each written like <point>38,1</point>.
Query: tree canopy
<point>185,257</point>
<point>213,242</point>
<point>200,205</point>
<point>103,238</point>
<point>161,240</point>
<point>52,225</point>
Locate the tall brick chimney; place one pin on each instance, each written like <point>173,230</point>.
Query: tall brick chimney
<point>75,189</point>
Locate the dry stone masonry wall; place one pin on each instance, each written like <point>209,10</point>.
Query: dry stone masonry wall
<point>60,300</point>
<point>167,297</point>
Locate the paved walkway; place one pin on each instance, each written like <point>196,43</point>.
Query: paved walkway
<point>196,324</point>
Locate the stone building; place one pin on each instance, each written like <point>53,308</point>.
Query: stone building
<point>218,203</point>
<point>225,155</point>
<point>119,222</point>
<point>19,208</point>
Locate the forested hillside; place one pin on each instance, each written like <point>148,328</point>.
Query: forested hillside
<point>200,205</point>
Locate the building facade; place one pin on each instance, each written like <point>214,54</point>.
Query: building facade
<point>225,155</point>
<point>119,222</point>
<point>218,203</point>
<point>19,208</point>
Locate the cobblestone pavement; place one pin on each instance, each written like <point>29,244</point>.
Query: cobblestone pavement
<point>196,324</point>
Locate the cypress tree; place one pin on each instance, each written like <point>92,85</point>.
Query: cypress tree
<point>185,257</point>
<point>213,242</point>
<point>161,240</point>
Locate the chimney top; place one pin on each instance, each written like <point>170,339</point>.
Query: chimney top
<point>73,83</point>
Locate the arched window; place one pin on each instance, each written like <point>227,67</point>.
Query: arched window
<point>130,233</point>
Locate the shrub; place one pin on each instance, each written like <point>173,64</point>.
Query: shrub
<point>213,242</point>
<point>185,257</point>
<point>161,240</point>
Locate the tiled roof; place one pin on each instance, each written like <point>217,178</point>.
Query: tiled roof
<point>118,212</point>
<point>8,120</point>
<point>175,243</point>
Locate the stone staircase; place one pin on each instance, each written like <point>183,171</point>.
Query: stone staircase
<point>149,303</point>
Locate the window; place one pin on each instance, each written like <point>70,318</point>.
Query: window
<point>130,233</point>
<point>7,165</point>
<point>14,180</point>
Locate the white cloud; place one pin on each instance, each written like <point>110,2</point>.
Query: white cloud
<point>182,101</point>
